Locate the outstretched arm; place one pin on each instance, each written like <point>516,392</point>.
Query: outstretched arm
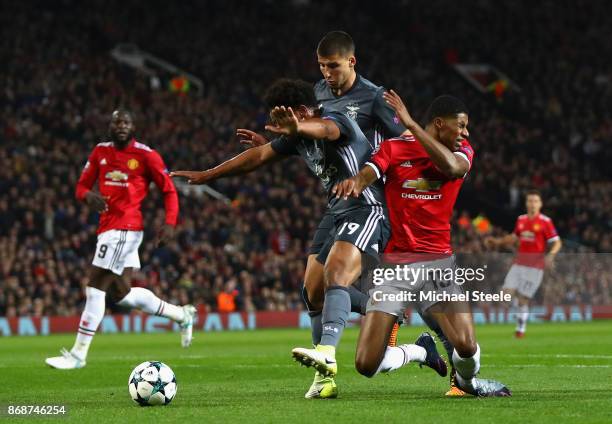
<point>509,241</point>
<point>355,185</point>
<point>451,165</point>
<point>243,163</point>
<point>286,123</point>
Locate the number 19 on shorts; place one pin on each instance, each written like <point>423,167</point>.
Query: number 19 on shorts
<point>352,227</point>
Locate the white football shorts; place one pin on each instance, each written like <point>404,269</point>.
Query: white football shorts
<point>524,279</point>
<point>117,250</point>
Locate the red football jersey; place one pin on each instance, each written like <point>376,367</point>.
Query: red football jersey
<point>534,235</point>
<point>419,197</point>
<point>124,177</point>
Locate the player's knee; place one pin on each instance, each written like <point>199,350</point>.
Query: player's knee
<point>335,272</point>
<point>365,365</point>
<point>117,293</point>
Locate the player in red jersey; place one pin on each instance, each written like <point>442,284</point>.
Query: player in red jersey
<point>423,178</point>
<point>124,169</point>
<point>535,235</point>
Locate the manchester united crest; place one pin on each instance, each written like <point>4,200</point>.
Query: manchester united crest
<point>132,164</point>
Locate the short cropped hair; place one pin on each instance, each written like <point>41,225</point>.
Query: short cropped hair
<point>291,93</point>
<point>533,192</point>
<point>336,42</point>
<point>444,106</point>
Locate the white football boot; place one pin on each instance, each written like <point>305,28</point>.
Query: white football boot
<point>187,325</point>
<point>65,362</point>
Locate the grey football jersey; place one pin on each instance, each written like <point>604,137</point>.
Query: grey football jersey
<point>334,161</point>
<point>364,104</point>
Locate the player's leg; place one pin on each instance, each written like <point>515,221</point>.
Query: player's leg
<point>342,268</point>
<point>109,246</point>
<point>144,299</point>
<point>374,355</point>
<point>531,279</point>
<point>433,324</point>
<point>356,233</point>
<point>322,387</point>
<point>95,307</point>
<point>456,322</point>
<point>511,284</point>
<point>313,294</point>
<point>313,290</point>
<point>372,343</point>
<point>522,316</point>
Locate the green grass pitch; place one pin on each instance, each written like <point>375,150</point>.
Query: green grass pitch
<point>558,373</point>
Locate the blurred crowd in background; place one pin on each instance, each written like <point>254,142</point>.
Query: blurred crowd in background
<point>61,84</point>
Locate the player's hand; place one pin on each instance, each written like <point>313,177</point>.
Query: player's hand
<point>251,138</point>
<point>193,177</point>
<point>164,235</point>
<point>96,201</point>
<point>283,121</point>
<point>346,188</point>
<point>395,101</point>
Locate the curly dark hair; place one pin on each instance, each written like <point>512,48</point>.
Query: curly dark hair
<point>291,93</point>
<point>444,106</point>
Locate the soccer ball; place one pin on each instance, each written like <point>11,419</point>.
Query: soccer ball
<point>152,383</point>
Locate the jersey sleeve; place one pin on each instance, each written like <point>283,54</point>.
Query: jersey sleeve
<point>161,178</point>
<point>382,159</point>
<point>466,152</point>
<point>386,117</point>
<point>88,175</point>
<point>550,232</point>
<point>347,131</point>
<point>283,146</point>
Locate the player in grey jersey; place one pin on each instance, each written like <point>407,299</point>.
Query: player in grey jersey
<point>333,147</point>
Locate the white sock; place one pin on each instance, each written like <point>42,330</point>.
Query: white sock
<point>397,357</point>
<point>146,301</point>
<point>90,319</point>
<point>522,318</point>
<point>467,368</point>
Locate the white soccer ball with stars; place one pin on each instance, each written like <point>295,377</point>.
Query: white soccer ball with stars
<point>152,383</point>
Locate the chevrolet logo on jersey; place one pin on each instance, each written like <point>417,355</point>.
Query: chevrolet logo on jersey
<point>116,176</point>
<point>422,184</point>
<point>528,235</point>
